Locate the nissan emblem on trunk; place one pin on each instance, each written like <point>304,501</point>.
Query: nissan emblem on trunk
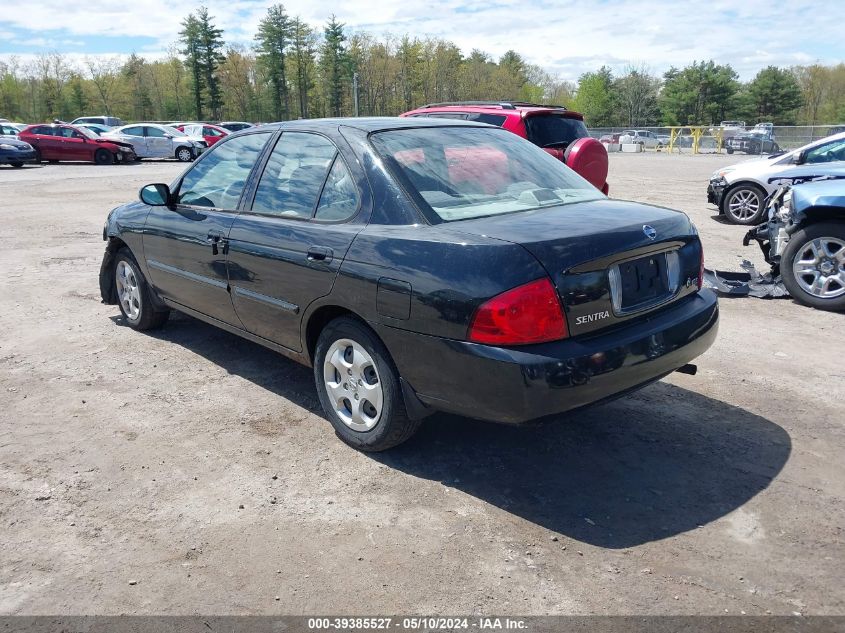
<point>650,231</point>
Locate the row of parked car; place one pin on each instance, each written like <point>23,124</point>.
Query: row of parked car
<point>95,139</point>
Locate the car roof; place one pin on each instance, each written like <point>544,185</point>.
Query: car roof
<point>366,124</point>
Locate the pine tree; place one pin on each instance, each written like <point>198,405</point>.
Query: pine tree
<point>190,37</point>
<point>334,64</point>
<point>275,32</point>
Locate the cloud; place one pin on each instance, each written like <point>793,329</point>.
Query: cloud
<point>564,36</point>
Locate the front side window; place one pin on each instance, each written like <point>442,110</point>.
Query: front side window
<point>826,153</point>
<point>154,132</point>
<point>219,178</point>
<point>458,173</point>
<point>294,175</point>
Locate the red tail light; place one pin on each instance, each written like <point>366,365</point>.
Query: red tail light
<point>701,266</point>
<point>525,314</point>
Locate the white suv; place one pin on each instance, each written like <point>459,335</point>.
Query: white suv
<point>740,190</point>
<point>151,140</point>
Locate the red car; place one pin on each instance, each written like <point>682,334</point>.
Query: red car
<point>209,132</point>
<point>62,142</point>
<point>559,131</point>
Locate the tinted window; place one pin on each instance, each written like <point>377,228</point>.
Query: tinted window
<point>43,130</point>
<point>295,173</point>
<point>554,130</point>
<point>154,132</point>
<point>491,119</point>
<point>133,131</point>
<point>339,200</point>
<point>460,173</point>
<point>219,178</point>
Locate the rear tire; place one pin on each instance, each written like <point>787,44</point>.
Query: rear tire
<point>17,165</point>
<point>103,157</point>
<point>133,294</point>
<point>359,387</point>
<point>814,255</point>
<point>184,154</point>
<point>729,150</point>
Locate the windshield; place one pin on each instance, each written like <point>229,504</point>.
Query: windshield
<point>461,173</point>
<point>86,132</point>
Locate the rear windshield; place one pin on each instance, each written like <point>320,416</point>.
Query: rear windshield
<point>554,130</point>
<point>458,173</point>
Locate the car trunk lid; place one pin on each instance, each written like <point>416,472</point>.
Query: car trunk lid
<point>610,261</point>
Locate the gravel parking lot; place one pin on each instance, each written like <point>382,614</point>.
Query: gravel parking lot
<point>190,471</point>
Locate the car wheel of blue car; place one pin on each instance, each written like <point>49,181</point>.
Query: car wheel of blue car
<point>359,387</point>
<point>813,266</point>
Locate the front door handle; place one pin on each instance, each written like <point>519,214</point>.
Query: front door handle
<point>320,254</point>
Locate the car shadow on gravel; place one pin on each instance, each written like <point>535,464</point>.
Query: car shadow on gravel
<point>241,357</point>
<point>654,464</point>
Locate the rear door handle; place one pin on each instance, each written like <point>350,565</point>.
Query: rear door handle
<point>216,238</point>
<point>320,254</point>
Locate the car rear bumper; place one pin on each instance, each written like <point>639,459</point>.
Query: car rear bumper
<point>514,385</point>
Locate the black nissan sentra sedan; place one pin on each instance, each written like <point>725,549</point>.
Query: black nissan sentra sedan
<point>418,266</point>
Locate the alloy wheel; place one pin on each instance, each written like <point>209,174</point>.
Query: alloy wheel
<point>352,384</point>
<point>128,290</point>
<point>819,267</point>
<point>744,204</point>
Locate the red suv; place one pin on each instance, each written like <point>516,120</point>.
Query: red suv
<point>68,143</point>
<point>554,128</point>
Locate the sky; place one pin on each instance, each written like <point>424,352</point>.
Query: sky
<point>564,37</point>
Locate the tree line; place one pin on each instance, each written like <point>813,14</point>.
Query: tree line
<point>293,70</point>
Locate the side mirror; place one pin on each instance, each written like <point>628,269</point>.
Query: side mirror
<point>798,159</point>
<point>156,195</point>
<point>168,136</point>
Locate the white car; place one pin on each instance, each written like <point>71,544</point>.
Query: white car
<point>740,190</point>
<point>151,140</point>
<point>645,138</point>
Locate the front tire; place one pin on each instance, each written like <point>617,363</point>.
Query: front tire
<point>729,150</point>
<point>17,165</point>
<point>133,294</point>
<point>184,154</point>
<point>813,266</point>
<point>744,205</point>
<point>359,387</point>
<point>103,157</point>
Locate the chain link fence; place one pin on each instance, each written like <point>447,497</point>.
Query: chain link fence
<point>712,140</point>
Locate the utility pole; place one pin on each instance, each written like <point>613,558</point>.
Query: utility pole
<point>355,93</point>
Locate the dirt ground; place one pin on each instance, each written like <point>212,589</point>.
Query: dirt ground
<point>189,471</point>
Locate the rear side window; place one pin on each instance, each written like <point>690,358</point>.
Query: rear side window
<point>42,130</point>
<point>294,175</point>
<point>554,130</point>
<point>133,131</point>
<point>218,179</point>
<point>339,200</point>
<point>491,119</point>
